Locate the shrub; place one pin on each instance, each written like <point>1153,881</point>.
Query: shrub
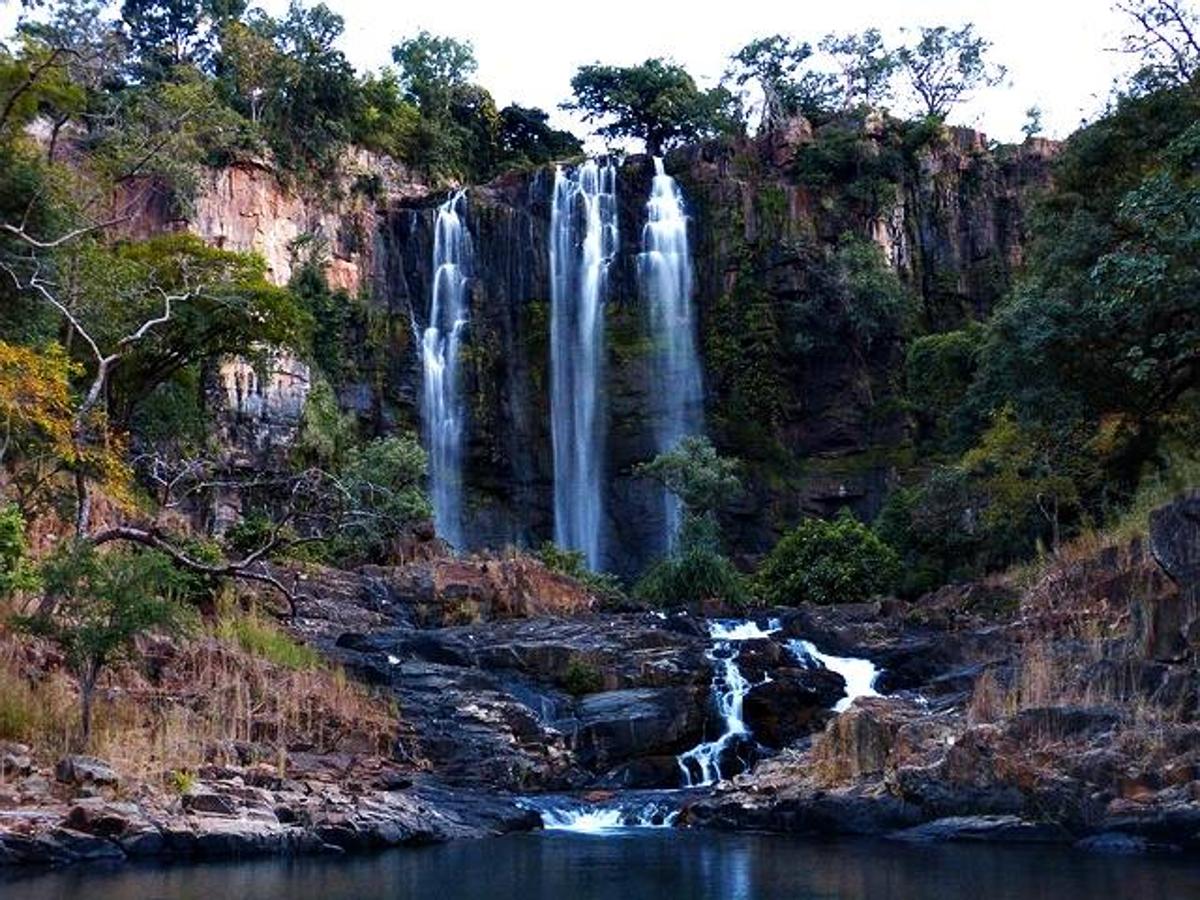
<point>581,677</point>
<point>838,561</point>
<point>696,573</point>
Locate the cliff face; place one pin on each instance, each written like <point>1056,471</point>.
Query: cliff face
<point>814,414</point>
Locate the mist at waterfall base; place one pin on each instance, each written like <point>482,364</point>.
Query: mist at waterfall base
<point>665,268</point>
<point>442,402</point>
<point>583,242</point>
<point>662,863</point>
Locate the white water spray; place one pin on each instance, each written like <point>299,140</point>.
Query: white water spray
<point>666,278</point>
<point>442,409</point>
<point>583,242</point>
<point>860,674</point>
<point>701,766</point>
<point>600,820</point>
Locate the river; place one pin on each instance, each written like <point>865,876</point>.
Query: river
<point>658,864</point>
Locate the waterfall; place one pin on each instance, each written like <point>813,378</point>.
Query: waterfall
<point>730,687</point>
<point>583,242</point>
<point>860,674</point>
<point>666,278</point>
<point>442,409</point>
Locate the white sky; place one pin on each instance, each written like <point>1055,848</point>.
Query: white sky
<point>1057,51</point>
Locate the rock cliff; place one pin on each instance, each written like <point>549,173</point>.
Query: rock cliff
<point>816,417</point>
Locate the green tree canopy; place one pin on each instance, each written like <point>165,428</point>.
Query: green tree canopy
<point>838,561</point>
<point>946,66</point>
<point>657,102</point>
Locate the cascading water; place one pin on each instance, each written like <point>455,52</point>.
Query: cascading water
<point>701,766</point>
<point>860,674</point>
<point>442,409</point>
<point>666,277</point>
<point>583,242</point>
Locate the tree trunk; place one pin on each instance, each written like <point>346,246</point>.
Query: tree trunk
<point>87,687</point>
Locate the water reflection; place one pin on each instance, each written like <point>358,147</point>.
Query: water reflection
<point>663,864</point>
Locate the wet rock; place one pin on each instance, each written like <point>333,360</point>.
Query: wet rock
<point>1116,843</point>
<point>794,703</point>
<point>614,726</point>
<point>1007,829</point>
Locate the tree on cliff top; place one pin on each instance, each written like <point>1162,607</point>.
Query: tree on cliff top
<point>657,102</point>
<point>771,62</point>
<point>945,67</point>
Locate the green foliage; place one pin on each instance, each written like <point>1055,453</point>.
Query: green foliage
<point>771,63</point>
<point>223,305</point>
<point>581,677</point>
<point>326,433</point>
<point>704,483</point>
<point>16,572</point>
<point>945,66</point>
<point>183,781</point>
<point>104,603</point>
<point>165,132</point>
<point>692,575</point>
<point>457,133</point>
<point>693,471</point>
<point>526,139</point>
<point>571,563</point>
<point>856,301</point>
<point>866,65</point>
<point>656,102</point>
<point>838,561</point>
<point>265,640</point>
<point>939,369</point>
<point>384,487</point>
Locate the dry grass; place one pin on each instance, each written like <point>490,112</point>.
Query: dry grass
<point>204,699</point>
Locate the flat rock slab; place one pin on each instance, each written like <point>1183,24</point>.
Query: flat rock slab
<point>1008,829</point>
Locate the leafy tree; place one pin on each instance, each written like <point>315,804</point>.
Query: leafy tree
<point>319,99</point>
<point>106,602</point>
<point>838,561</point>
<point>382,489</point>
<point>771,63</point>
<point>1026,474</point>
<point>934,527</point>
<point>1166,36</point>
<point>867,66</point>
<point>526,138</point>
<point>704,483</point>
<point>1033,122</point>
<point>945,66</point>
<point>431,68</point>
<point>939,369</point>
<point>856,302</point>
<point>165,34</point>
<point>455,135</point>
<point>656,102</point>
<point>703,480</point>
<point>387,120</point>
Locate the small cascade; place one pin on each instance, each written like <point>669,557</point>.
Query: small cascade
<point>860,674</point>
<point>591,819</point>
<point>666,279</point>
<point>442,407</point>
<point>583,243</point>
<point>701,766</point>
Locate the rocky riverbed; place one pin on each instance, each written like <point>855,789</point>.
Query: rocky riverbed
<point>1058,710</point>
